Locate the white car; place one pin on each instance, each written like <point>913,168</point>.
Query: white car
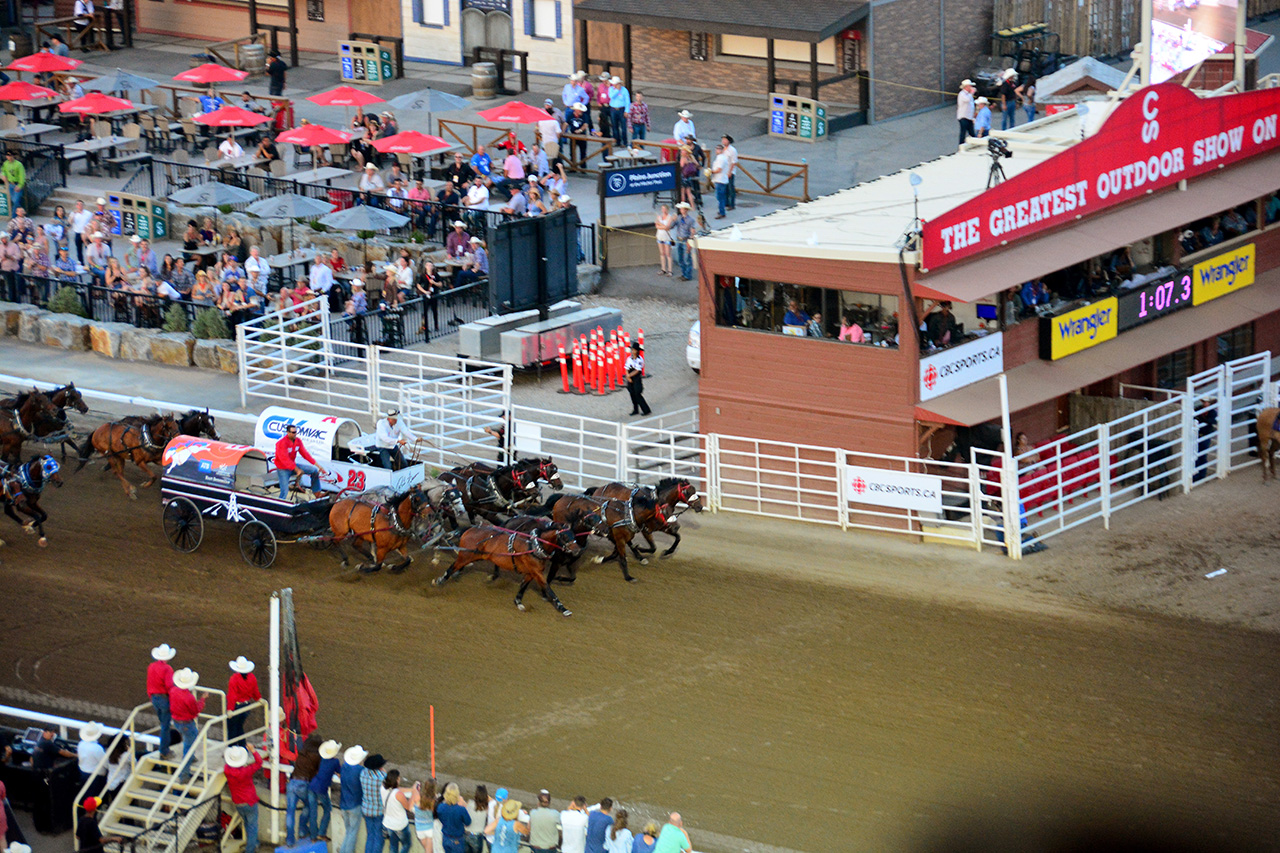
<point>693,351</point>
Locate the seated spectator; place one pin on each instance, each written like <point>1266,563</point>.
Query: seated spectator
<point>358,301</point>
<point>37,256</point>
<point>1234,224</point>
<point>113,275</point>
<point>534,205</point>
<point>1189,242</point>
<point>202,292</point>
<point>1273,208</point>
<point>21,228</point>
<point>371,181</point>
<point>518,204</point>
<point>336,262</point>
<point>229,148</point>
<point>182,279</point>
<point>940,326</point>
<point>814,327</point>
<point>481,256</point>
<point>458,241</point>
<point>481,163</point>
<point>1212,234</point>
<point>63,268</point>
<point>851,331</point>
<point>396,174</point>
<point>207,231</point>
<point>96,256</point>
<point>267,150</point>
<point>210,101</point>
<point>795,316</point>
<point>512,171</point>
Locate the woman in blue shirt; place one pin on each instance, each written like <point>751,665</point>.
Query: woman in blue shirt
<point>506,831</point>
<point>454,819</point>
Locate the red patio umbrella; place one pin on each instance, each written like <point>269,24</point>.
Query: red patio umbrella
<point>515,112</point>
<point>95,103</point>
<point>345,96</point>
<point>210,72</point>
<point>231,117</point>
<point>409,142</point>
<point>21,90</point>
<point>42,63</point>
<point>313,134</point>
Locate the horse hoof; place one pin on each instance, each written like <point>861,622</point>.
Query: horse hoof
<point>133,496</point>
<point>644,562</point>
<point>566,613</point>
<point>368,570</point>
<point>399,570</point>
<point>28,529</point>
<point>42,542</point>
<point>520,607</point>
<point>597,560</point>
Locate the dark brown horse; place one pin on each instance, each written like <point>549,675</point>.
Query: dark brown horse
<point>20,490</point>
<point>142,442</point>
<point>32,414</point>
<point>194,422</point>
<point>669,492</point>
<point>374,528</point>
<point>543,469</point>
<point>623,519</point>
<point>487,493</point>
<point>527,553</point>
<point>63,398</point>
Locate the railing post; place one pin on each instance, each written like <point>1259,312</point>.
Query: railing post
<point>1104,471</point>
<point>975,503</point>
<point>1011,505</point>
<point>1225,424</point>
<point>242,359</point>
<point>842,501</point>
<point>375,380</point>
<point>1190,441</point>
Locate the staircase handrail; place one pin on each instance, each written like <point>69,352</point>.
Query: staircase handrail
<point>176,818</point>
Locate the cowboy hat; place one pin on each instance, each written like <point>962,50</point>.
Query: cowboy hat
<point>393,413</point>
<point>510,809</point>
<point>564,198</point>
<point>1009,72</point>
<point>101,200</point>
<point>577,107</point>
<point>685,114</point>
<point>242,665</point>
<point>236,756</point>
<point>684,204</point>
<point>370,166</point>
<point>965,83</point>
<point>475,240</point>
<point>458,223</point>
<point>91,731</point>
<point>19,847</point>
<point>329,749</point>
<point>164,651</point>
<point>185,678</point>
<point>613,80</point>
<point>355,755</point>
<point>135,239</point>
<point>982,100</point>
<point>604,75</point>
<point>375,761</point>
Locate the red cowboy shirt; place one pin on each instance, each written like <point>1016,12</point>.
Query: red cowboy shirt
<point>184,706</point>
<point>242,688</point>
<point>240,782</point>
<point>287,450</point>
<point>159,678</point>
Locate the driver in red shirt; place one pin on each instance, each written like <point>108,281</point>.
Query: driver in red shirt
<point>288,449</point>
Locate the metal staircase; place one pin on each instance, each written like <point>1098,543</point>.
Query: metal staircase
<point>153,808</point>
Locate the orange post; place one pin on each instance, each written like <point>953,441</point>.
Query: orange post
<point>640,340</point>
<point>577,368</point>
<point>613,366</point>
<point>564,370</point>
<point>433,740</point>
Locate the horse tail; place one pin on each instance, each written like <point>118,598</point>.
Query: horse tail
<point>591,491</point>
<point>546,508</point>
<point>85,451</point>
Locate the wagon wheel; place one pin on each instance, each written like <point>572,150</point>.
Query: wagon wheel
<point>258,544</point>
<point>183,525</point>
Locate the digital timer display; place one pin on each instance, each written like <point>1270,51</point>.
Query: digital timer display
<point>1155,300</point>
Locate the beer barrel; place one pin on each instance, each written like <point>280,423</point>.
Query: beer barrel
<point>253,58</point>
<point>484,81</point>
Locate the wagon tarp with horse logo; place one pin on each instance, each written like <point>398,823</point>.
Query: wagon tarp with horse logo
<point>226,481</point>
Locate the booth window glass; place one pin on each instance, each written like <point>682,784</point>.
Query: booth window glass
<point>1173,369</point>
<point>809,312</point>
<point>1235,343</point>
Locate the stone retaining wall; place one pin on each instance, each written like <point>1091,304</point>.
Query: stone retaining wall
<point>114,340</point>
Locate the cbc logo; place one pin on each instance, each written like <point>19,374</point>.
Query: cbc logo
<point>617,183</point>
<point>930,377</point>
<point>859,485</point>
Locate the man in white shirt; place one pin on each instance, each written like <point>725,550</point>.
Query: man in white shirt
<point>230,149</point>
<point>83,12</point>
<point>477,197</point>
<point>720,177</point>
<point>255,263</point>
<point>549,134</point>
<point>321,278</point>
<point>573,826</point>
<point>371,181</point>
<point>389,436</point>
<point>89,753</point>
<point>684,127</point>
<point>396,196</point>
<point>964,109</point>
<point>80,219</point>
<point>733,170</point>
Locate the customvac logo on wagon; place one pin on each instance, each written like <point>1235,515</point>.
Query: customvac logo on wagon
<point>898,490</point>
<point>274,427</point>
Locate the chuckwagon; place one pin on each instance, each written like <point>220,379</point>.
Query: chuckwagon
<point>344,451</point>
<point>232,482</point>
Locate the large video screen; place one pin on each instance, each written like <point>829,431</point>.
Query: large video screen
<point>1185,32</point>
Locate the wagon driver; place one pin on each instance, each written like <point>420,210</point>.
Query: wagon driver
<point>389,436</point>
<point>288,449</point>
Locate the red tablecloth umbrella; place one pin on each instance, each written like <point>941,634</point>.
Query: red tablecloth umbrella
<point>95,103</point>
<point>43,63</point>
<point>232,117</point>
<point>514,112</point>
<point>409,142</point>
<point>314,134</point>
<point>210,72</point>
<point>21,90</point>
<point>345,96</point>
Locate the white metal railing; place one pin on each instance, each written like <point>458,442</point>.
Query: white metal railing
<point>588,451</point>
<point>778,479</point>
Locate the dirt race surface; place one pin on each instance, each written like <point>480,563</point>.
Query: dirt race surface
<point>780,684</point>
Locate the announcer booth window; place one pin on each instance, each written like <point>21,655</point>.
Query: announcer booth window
<point>772,307</point>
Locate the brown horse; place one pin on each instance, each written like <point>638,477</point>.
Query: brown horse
<point>20,490</point>
<point>623,519</point>
<point>1267,437</point>
<point>670,492</point>
<point>33,413</point>
<point>56,430</point>
<point>526,553</point>
<point>120,442</point>
<point>374,529</point>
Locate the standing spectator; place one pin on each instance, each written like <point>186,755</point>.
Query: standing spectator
<point>80,219</point>
<point>454,817</point>
<point>318,796</point>
<point>57,46</point>
<point>459,172</point>
<point>15,177</point>
<point>964,109</point>
<point>305,767</point>
<point>573,826</point>
<point>544,825</point>
<point>599,821</point>
<point>673,838</point>
<point>10,259</point>
<point>549,130</point>
<point>731,150</point>
<point>159,686</point>
<point>230,149</point>
<point>88,834</point>
<point>395,811</point>
<point>1009,98</point>
<point>684,128</point>
<point>619,107</point>
<point>506,828</point>
<point>423,801</point>
<point>349,796</point>
<point>90,754</point>
<point>118,769</point>
<point>982,120</point>
<point>479,809</point>
<point>578,123</point>
<point>1027,97</point>
<point>638,117</point>
<point>618,838</point>
<point>602,102</point>
<point>720,168</point>
<point>276,69</point>
<point>83,11</point>
<point>685,224</point>
<point>663,224</point>
<point>47,751</point>
<point>58,228</point>
<point>185,709</point>
<point>647,840</point>
<point>371,806</point>
<point>244,795</point>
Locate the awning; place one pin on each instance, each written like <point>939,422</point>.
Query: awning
<point>1003,267</point>
<point>809,21</point>
<point>1038,381</point>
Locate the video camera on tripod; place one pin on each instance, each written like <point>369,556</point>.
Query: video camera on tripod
<point>998,149</point>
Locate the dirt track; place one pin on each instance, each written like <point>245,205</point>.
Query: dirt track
<point>805,687</point>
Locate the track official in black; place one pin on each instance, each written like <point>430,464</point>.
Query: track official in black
<point>635,381</point>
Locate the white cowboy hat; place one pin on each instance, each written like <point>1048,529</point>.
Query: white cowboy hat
<point>101,200</point>
<point>185,678</point>
<point>604,75</point>
<point>242,665</point>
<point>579,106</point>
<point>355,755</point>
<point>1009,72</point>
<point>357,283</point>
<point>615,80</point>
<point>475,239</point>
<point>19,847</point>
<point>684,204</point>
<point>135,239</point>
<point>685,114</point>
<point>91,731</point>
<point>565,199</point>
<point>458,223</point>
<point>982,101</point>
<point>370,166</point>
<point>164,651</point>
<point>236,756</point>
<point>329,749</point>
<point>965,82</point>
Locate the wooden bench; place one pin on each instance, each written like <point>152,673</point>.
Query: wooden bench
<point>115,164</point>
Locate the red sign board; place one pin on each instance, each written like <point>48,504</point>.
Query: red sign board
<point>1159,136</point>
<point>1054,109</point>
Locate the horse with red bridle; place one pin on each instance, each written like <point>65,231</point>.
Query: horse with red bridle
<point>622,520</point>
<point>488,492</point>
<point>669,493</point>
<point>374,528</point>
<point>526,549</point>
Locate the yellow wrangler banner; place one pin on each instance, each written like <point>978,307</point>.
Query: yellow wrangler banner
<point>1223,274</point>
<point>1075,331</point>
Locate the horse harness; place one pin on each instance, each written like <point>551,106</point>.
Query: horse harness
<point>375,507</point>
<point>629,521</point>
<point>17,481</point>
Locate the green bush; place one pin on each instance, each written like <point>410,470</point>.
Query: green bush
<point>209,325</point>
<point>67,301</point>
<point>175,319</point>
<point>317,225</point>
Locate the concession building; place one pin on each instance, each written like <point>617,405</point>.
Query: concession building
<point>1134,243</point>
